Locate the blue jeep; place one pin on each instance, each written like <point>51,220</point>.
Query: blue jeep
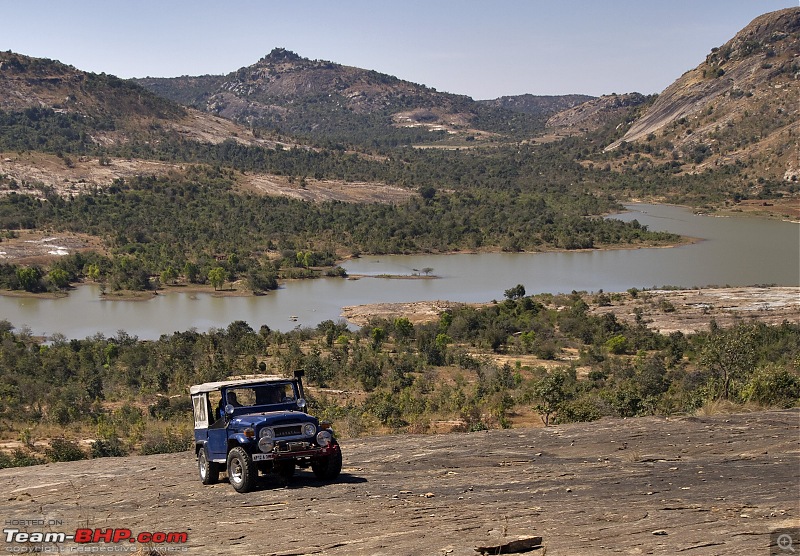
<point>259,424</point>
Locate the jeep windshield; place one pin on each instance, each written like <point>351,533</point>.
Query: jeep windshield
<point>262,397</point>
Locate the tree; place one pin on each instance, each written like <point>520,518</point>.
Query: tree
<point>378,335</point>
<point>427,270</point>
<point>217,277</point>
<point>517,292</point>
<point>730,355</point>
<point>618,345</point>
<point>29,278</point>
<point>191,272</point>
<point>59,278</point>
<point>403,329</point>
<point>427,192</point>
<point>93,272</point>
<point>550,392</point>
<point>169,275</point>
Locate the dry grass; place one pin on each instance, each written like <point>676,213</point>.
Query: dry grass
<point>726,407</point>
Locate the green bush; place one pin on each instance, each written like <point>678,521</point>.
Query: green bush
<point>110,448</point>
<point>18,458</point>
<point>166,443</point>
<point>62,449</point>
<point>581,410</point>
<point>772,385</point>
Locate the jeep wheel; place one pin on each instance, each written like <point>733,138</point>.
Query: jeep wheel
<point>328,468</point>
<point>241,471</point>
<point>209,470</point>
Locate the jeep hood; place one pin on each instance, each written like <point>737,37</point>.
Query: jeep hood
<point>273,418</point>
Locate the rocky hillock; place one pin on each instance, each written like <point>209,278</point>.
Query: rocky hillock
<point>326,100</point>
<point>739,106</point>
<point>99,109</point>
<point>595,113</point>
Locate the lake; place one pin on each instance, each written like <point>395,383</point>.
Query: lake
<point>735,251</point>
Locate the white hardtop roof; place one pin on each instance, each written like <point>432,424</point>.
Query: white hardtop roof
<point>214,386</point>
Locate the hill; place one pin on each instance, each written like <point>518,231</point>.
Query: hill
<point>737,108</point>
<point>331,102</point>
<point>67,131</point>
<point>99,109</point>
<point>702,485</point>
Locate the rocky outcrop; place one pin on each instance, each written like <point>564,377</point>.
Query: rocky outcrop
<point>762,57</point>
<point>595,113</point>
<point>699,485</point>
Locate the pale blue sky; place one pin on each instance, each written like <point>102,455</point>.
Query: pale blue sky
<point>480,48</point>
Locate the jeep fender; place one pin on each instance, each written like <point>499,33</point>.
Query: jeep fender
<point>241,440</point>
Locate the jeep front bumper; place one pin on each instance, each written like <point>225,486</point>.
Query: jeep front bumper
<point>293,450</point>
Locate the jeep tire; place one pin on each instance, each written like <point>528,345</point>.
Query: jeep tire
<point>209,470</point>
<point>328,468</point>
<point>241,471</point>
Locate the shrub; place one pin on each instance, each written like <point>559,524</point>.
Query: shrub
<point>773,385</point>
<point>618,345</point>
<point>18,458</point>
<point>166,443</point>
<point>581,410</point>
<point>167,408</point>
<point>62,449</point>
<point>110,448</point>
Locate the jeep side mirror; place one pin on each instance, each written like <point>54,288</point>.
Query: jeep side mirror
<point>228,410</point>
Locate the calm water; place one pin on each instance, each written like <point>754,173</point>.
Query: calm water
<point>733,251</point>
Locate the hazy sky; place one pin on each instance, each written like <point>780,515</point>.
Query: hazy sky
<point>481,48</point>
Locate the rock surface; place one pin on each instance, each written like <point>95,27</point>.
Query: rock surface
<point>697,485</point>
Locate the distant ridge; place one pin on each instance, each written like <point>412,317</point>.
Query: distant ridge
<point>324,100</point>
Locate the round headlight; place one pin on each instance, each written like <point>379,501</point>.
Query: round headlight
<point>266,444</point>
<point>266,432</point>
<point>309,429</point>
<point>324,438</point>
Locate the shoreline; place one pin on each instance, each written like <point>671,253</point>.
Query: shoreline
<point>687,310</point>
<point>232,291</point>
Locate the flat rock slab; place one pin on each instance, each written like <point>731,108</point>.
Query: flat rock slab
<point>686,485</point>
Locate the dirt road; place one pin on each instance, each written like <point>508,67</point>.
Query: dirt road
<point>693,485</point>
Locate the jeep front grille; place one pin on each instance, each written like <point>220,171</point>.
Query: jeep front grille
<point>293,430</point>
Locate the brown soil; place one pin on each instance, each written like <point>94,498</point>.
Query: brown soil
<point>786,207</point>
<point>38,247</point>
<point>82,175</point>
<point>324,190</point>
<point>417,311</point>
<point>703,485</point>
<point>31,170</point>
